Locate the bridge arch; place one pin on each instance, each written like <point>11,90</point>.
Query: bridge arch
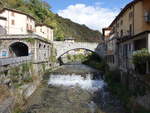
<point>62,47</point>
<point>60,61</point>
<point>77,49</point>
<point>19,49</point>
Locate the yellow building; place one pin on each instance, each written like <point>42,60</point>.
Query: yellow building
<point>130,31</point>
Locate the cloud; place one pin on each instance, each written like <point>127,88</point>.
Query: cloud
<point>95,17</point>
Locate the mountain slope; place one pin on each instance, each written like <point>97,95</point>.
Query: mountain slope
<point>62,27</point>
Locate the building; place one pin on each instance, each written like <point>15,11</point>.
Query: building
<point>110,48</point>
<point>129,32</point>
<point>45,31</point>
<point>17,22</point>
<point>18,36</point>
<point>3,21</point>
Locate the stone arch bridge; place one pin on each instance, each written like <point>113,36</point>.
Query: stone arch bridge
<point>62,46</point>
<point>21,48</point>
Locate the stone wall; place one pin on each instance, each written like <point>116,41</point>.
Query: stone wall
<point>37,46</point>
<point>62,47</point>
<point>18,83</point>
<point>138,88</point>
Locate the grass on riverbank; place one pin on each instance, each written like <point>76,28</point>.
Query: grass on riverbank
<point>126,96</point>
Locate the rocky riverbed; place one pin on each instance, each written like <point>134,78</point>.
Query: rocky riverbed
<point>76,92</point>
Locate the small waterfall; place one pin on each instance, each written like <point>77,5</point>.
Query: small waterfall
<point>77,80</point>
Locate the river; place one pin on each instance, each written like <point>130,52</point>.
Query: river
<point>73,89</point>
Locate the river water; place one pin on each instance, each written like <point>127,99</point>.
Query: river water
<point>74,89</point>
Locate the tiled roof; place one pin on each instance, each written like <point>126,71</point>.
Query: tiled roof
<point>45,25</point>
<point>17,11</point>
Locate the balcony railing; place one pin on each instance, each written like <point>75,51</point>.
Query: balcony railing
<point>16,60</point>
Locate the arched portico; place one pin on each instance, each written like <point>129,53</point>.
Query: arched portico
<point>19,49</point>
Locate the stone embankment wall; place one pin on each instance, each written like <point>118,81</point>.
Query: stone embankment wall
<point>139,87</point>
<point>18,83</point>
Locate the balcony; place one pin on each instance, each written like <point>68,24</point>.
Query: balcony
<point>30,30</point>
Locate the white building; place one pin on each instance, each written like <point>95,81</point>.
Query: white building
<point>3,21</point>
<point>45,31</point>
<point>17,22</point>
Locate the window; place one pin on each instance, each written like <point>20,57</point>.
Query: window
<point>130,30</point>
<point>130,15</point>
<point>121,22</point>
<point>129,47</point>
<point>12,14</point>
<point>121,33</point>
<point>12,22</point>
<point>27,26</point>
<point>39,45</point>
<point>118,25</point>
<point>30,27</point>
<point>125,50</point>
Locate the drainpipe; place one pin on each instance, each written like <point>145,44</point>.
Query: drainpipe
<point>147,63</point>
<point>133,18</point>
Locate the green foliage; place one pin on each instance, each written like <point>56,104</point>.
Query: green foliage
<point>31,40</point>
<point>140,109</point>
<point>112,76</point>
<point>97,62</point>
<point>15,71</point>
<point>62,27</point>
<point>77,57</point>
<point>17,110</point>
<point>28,79</point>
<point>140,58</point>
<point>116,87</point>
<point>44,67</point>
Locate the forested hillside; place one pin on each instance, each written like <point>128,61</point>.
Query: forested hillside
<point>43,14</point>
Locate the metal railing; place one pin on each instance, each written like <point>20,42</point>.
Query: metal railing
<point>9,61</point>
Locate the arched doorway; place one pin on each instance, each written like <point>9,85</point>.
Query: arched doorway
<point>19,49</point>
